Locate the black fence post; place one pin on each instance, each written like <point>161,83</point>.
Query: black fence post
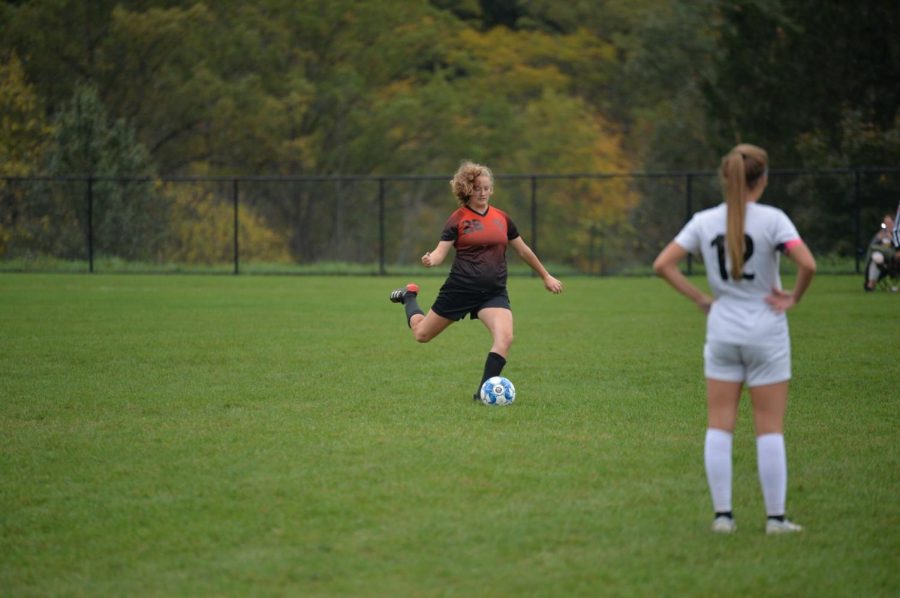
<point>534,230</point>
<point>857,240</point>
<point>592,237</point>
<point>689,211</point>
<point>234,195</point>
<point>90,223</point>
<point>381,240</point>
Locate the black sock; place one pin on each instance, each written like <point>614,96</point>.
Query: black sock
<point>411,305</point>
<point>728,514</point>
<point>493,365</point>
<point>777,517</point>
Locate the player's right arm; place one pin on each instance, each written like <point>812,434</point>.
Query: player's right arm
<point>436,256</point>
<point>666,265</point>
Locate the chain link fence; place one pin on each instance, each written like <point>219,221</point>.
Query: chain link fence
<point>592,224</point>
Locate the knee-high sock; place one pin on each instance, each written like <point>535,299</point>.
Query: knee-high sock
<point>493,365</point>
<point>411,305</point>
<point>771,460</point>
<point>872,272</point>
<point>717,458</point>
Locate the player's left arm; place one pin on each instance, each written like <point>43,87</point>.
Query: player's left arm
<point>550,283</point>
<point>799,253</point>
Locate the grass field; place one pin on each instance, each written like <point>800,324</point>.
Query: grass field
<point>260,435</point>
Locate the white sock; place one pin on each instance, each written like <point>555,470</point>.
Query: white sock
<point>872,272</point>
<point>772,463</point>
<point>717,457</point>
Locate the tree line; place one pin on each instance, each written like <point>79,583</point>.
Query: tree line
<point>386,87</point>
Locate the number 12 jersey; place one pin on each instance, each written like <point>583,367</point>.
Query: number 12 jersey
<point>740,314</point>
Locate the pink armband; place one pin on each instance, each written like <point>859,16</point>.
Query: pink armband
<point>791,244</point>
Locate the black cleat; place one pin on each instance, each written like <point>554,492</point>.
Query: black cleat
<point>399,295</point>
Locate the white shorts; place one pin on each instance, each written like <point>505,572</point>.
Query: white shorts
<point>757,365</point>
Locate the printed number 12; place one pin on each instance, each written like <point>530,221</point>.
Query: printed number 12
<point>719,242</point>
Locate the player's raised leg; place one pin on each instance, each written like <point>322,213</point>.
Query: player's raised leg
<point>408,297</point>
<point>424,326</point>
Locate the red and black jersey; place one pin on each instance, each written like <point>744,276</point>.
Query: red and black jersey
<point>480,241</point>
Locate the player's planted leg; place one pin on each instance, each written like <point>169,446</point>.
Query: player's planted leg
<point>493,365</point>
<point>781,525</point>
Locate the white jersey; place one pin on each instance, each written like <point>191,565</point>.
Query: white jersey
<point>740,314</point>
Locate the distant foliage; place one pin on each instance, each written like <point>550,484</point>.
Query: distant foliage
<point>128,216</point>
<point>24,132</point>
<point>397,87</point>
<point>201,230</point>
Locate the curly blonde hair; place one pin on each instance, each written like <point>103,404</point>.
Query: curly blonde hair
<point>464,179</point>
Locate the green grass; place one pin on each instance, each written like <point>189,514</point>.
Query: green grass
<point>220,435</point>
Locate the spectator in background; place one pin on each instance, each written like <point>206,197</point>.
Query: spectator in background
<point>882,256</point>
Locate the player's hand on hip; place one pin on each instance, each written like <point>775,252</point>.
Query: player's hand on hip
<point>780,301</point>
<point>705,304</point>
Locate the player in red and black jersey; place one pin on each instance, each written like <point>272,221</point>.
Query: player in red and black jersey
<point>476,286</point>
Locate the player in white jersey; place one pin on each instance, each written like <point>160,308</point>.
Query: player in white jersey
<point>747,338</point>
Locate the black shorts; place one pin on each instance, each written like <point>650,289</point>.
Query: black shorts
<point>454,302</point>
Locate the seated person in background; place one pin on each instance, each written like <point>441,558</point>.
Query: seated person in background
<point>882,259</point>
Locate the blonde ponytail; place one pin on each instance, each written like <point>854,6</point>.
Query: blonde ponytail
<point>740,171</point>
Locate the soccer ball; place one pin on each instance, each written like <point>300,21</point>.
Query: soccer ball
<point>498,391</point>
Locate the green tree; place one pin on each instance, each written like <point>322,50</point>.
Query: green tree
<point>24,135</point>
<point>126,215</point>
<point>816,84</point>
<point>792,68</point>
<point>24,132</point>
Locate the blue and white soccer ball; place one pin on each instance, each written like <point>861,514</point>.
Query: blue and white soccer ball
<point>498,391</point>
